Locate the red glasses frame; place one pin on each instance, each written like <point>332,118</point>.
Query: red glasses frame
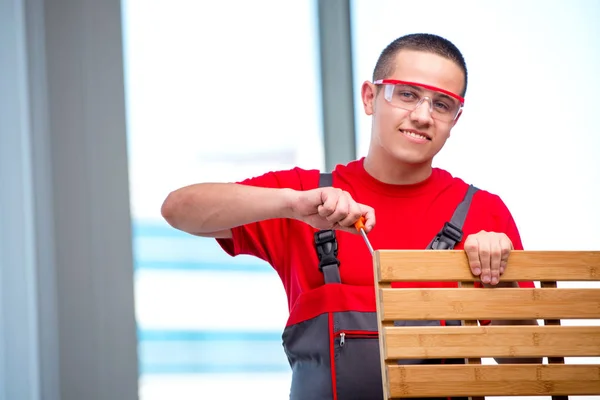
<point>428,87</point>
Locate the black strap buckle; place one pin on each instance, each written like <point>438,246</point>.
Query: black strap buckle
<point>448,237</point>
<point>327,248</point>
<point>452,232</point>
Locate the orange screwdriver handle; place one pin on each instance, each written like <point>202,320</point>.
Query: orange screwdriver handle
<point>360,224</point>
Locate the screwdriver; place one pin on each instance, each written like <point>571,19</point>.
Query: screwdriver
<point>360,226</point>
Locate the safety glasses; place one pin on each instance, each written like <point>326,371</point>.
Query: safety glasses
<point>443,105</point>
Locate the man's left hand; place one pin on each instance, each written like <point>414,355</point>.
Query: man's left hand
<point>488,255</point>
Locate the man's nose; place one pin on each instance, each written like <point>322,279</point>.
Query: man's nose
<point>422,112</point>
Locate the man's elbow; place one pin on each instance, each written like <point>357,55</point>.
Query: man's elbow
<point>168,209</point>
<point>176,209</point>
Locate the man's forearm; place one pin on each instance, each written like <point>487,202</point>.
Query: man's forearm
<point>212,207</point>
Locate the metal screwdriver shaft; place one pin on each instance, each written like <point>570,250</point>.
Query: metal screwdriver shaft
<point>360,226</point>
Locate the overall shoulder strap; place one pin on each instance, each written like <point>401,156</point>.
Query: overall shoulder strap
<point>452,232</point>
<point>326,244</point>
<point>325,179</point>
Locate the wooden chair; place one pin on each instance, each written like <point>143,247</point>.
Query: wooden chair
<point>472,342</point>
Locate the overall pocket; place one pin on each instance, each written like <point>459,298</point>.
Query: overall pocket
<point>357,365</point>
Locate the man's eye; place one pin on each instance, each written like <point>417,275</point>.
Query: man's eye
<point>407,96</point>
<point>442,107</point>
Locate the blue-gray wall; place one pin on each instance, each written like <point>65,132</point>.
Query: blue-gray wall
<point>67,323</point>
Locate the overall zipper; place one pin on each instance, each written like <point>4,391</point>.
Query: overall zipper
<point>355,335</point>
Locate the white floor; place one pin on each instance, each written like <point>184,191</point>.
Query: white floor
<point>222,387</point>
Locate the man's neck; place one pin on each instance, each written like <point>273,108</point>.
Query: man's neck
<point>393,172</point>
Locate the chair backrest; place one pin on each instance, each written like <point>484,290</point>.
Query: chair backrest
<point>471,342</point>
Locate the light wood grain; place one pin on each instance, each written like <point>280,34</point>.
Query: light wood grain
<point>452,266</point>
<point>550,303</point>
<point>493,380</point>
<point>491,341</point>
<point>483,303</point>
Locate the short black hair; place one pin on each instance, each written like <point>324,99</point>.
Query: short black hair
<point>425,42</point>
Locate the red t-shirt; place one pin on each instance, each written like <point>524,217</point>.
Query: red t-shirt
<point>407,217</point>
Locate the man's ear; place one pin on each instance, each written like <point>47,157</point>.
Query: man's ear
<point>368,92</point>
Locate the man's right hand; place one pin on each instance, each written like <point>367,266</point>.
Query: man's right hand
<point>330,208</point>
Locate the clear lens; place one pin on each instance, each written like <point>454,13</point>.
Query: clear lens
<point>408,97</point>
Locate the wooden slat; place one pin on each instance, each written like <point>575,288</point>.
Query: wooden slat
<point>493,380</point>
<point>452,265</point>
<point>491,341</point>
<point>498,303</point>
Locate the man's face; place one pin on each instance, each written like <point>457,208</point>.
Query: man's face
<point>413,137</point>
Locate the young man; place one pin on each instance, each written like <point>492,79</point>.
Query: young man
<point>415,100</point>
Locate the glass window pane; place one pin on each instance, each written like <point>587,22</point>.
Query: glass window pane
<point>216,91</point>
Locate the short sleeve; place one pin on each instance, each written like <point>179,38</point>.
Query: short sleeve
<point>267,239</point>
<point>505,222</point>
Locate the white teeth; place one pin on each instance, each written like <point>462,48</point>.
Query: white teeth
<point>414,135</point>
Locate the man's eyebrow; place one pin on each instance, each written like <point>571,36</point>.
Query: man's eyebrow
<point>445,96</point>
<point>419,88</point>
